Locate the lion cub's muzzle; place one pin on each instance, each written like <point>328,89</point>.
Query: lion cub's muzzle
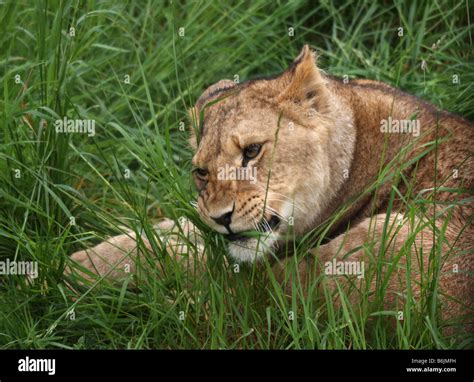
<point>243,218</point>
<point>264,226</point>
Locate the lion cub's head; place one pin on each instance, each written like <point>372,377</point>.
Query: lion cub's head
<point>261,163</point>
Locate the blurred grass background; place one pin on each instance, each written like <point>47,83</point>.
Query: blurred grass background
<point>74,59</point>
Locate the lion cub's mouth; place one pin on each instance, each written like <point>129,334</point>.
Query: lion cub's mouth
<point>273,223</point>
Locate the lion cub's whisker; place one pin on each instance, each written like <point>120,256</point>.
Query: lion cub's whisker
<point>274,212</point>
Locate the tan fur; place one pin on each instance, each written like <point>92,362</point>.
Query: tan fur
<point>322,145</point>
<point>120,256</point>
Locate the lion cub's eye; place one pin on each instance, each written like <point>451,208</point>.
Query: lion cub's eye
<point>251,152</point>
<point>200,178</point>
<point>200,172</point>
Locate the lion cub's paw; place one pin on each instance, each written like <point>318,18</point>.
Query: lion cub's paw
<point>116,258</point>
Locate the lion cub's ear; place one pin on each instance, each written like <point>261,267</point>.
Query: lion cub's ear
<point>303,82</point>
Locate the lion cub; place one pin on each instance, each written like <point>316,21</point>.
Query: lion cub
<point>276,158</point>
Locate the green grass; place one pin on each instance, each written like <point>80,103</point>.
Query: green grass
<point>137,129</point>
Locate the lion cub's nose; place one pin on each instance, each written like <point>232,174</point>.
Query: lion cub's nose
<point>224,219</point>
